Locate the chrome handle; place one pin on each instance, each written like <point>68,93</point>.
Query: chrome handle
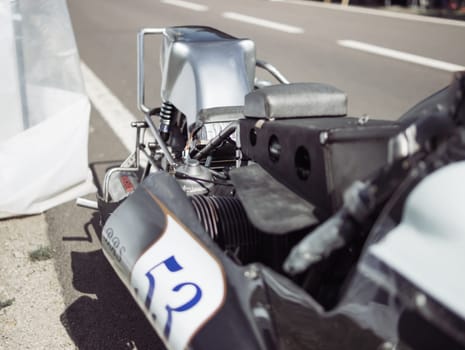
<point>140,66</point>
<point>272,70</point>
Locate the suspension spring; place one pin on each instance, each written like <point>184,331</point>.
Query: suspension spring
<point>166,113</point>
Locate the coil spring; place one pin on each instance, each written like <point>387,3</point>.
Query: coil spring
<point>166,113</point>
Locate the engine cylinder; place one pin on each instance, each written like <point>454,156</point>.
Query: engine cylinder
<point>196,179</point>
<point>225,220</point>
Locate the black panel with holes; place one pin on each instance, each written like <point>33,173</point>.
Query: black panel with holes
<point>317,157</point>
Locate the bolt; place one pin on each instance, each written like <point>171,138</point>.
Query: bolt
<point>387,346</point>
<point>363,120</point>
<point>251,273</point>
<point>323,137</point>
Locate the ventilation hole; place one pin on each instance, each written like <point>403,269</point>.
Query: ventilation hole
<point>274,148</point>
<point>253,137</point>
<point>302,163</point>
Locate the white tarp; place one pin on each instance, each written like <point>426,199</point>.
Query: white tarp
<point>44,110</point>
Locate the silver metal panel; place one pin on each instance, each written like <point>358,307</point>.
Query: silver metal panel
<point>204,68</point>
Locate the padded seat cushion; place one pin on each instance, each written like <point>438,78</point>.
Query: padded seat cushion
<point>296,100</point>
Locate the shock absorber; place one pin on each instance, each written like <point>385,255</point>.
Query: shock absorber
<point>166,113</point>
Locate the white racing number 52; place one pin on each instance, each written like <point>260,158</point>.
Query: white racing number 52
<point>180,283</point>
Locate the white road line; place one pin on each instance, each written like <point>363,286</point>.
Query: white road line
<point>263,23</point>
<point>399,55</point>
<point>110,108</point>
<point>186,4</point>
<point>373,12</point>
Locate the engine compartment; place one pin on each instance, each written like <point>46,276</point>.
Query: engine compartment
<point>261,183</point>
<point>287,177</point>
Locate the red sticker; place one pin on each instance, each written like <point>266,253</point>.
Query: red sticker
<point>127,184</point>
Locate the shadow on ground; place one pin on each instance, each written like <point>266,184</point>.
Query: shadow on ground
<point>100,313</point>
<point>111,320</point>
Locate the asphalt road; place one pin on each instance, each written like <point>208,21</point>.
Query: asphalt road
<point>99,312</point>
<point>377,86</point>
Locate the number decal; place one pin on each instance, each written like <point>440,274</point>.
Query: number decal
<point>114,244</point>
<point>190,304</point>
<point>171,264</point>
<point>179,284</point>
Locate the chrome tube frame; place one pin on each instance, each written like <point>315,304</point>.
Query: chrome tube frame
<point>273,71</point>
<point>125,166</point>
<point>140,66</point>
<point>141,89</point>
<point>159,140</point>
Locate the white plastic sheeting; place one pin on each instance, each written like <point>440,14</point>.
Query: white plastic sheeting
<point>44,110</point>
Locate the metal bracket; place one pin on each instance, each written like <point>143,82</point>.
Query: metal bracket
<point>132,163</point>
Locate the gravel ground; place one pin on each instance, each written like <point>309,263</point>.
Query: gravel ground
<point>32,321</point>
